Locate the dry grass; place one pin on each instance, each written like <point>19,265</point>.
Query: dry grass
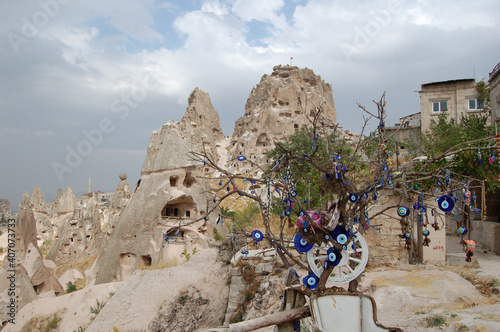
<point>161,265</point>
<point>42,323</point>
<point>81,266</point>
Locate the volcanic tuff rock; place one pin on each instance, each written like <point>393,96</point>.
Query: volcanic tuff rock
<point>25,228</point>
<point>4,208</point>
<point>122,193</point>
<point>79,237</point>
<point>182,298</point>
<point>170,193</point>
<point>279,105</point>
<point>198,129</point>
<point>65,203</point>
<point>37,200</point>
<point>120,200</point>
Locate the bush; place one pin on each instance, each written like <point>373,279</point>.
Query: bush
<point>217,236</point>
<point>97,309</point>
<point>70,287</point>
<point>435,321</point>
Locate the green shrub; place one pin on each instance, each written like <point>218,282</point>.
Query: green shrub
<point>70,287</point>
<point>97,309</point>
<point>217,236</point>
<point>435,321</point>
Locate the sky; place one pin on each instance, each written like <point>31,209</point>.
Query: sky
<point>83,84</point>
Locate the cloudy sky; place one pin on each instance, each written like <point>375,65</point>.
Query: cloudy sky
<point>99,76</point>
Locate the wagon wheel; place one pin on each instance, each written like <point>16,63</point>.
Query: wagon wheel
<point>352,262</point>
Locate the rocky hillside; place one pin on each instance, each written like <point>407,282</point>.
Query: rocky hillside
<point>160,222</point>
<point>279,105</point>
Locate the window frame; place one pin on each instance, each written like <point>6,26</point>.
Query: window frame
<point>439,103</point>
<point>477,105</point>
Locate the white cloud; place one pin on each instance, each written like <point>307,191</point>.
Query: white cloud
<point>261,10</point>
<point>93,52</point>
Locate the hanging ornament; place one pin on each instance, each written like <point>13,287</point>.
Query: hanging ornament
<point>498,153</point>
<point>333,256</point>
<point>301,244</point>
<point>353,197</point>
<point>479,157</point>
<point>403,211</point>
<point>310,281</point>
<point>426,240</point>
<point>446,203</point>
<point>257,235</point>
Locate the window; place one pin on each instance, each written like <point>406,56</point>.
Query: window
<point>474,104</point>
<point>439,106</point>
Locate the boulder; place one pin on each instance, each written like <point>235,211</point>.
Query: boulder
<point>24,294</point>
<point>71,275</point>
<point>195,297</point>
<point>42,278</point>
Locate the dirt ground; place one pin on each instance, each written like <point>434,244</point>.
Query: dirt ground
<point>438,298</point>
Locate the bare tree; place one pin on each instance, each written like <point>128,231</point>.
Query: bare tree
<point>348,180</point>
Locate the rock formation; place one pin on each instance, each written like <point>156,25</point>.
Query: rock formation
<point>38,201</point>
<point>122,193</point>
<point>190,297</point>
<point>42,278</point>
<point>79,237</point>
<point>25,228</point>
<point>4,208</point>
<point>279,105</point>
<point>65,202</point>
<point>172,192</point>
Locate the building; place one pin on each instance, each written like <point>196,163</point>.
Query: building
<point>494,82</point>
<point>455,97</point>
<point>407,131</point>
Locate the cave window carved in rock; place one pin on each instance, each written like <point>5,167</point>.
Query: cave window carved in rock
<point>179,208</point>
<point>146,260</point>
<point>173,181</point>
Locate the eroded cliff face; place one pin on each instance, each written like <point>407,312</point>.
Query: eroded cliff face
<point>159,223</point>
<point>279,105</point>
<point>198,129</point>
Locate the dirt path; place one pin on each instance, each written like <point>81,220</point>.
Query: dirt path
<point>438,298</point>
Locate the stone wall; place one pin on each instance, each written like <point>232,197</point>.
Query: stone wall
<point>456,93</point>
<point>494,82</point>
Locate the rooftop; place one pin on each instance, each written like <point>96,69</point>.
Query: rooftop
<point>464,80</point>
<point>494,72</point>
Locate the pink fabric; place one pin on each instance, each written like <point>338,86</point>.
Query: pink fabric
<point>314,215</point>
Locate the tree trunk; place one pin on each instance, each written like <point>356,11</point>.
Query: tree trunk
<point>274,319</point>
